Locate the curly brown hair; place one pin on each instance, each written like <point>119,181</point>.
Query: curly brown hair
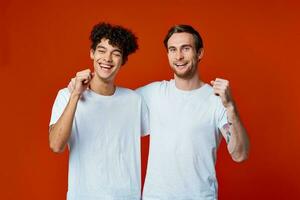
<point>118,36</point>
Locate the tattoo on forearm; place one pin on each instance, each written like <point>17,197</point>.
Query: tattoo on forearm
<point>226,127</point>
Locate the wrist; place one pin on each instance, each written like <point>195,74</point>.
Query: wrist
<point>232,114</point>
<point>75,95</point>
<point>230,106</point>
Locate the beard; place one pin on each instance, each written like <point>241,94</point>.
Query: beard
<point>187,74</point>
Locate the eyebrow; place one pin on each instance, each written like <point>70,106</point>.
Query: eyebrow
<point>186,45</point>
<point>103,47</point>
<point>182,46</point>
<point>118,50</point>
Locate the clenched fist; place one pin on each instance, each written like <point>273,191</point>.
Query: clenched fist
<point>221,88</point>
<point>81,82</point>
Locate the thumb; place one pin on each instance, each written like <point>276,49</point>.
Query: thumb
<point>71,85</point>
<point>212,82</point>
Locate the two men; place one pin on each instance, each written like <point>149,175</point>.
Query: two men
<point>101,125</point>
<point>187,121</point>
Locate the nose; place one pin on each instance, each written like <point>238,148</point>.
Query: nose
<point>178,55</point>
<point>107,57</point>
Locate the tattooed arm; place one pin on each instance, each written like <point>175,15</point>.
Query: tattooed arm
<point>234,131</point>
<point>236,136</point>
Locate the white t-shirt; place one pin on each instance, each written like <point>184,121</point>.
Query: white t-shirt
<point>104,161</point>
<point>184,128</point>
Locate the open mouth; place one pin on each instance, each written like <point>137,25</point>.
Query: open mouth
<point>180,65</point>
<point>106,67</point>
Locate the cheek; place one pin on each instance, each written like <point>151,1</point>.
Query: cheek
<point>96,57</point>
<point>118,60</point>
<point>170,58</point>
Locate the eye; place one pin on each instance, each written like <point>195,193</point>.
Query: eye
<point>100,51</point>
<point>186,49</point>
<point>118,54</point>
<point>172,50</point>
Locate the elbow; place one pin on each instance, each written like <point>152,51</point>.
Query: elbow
<point>240,158</point>
<point>54,144</point>
<point>56,148</point>
<point>241,153</point>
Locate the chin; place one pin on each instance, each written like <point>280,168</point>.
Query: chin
<point>104,77</point>
<point>185,75</point>
<point>182,73</point>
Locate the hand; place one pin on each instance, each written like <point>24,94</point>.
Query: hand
<point>81,82</point>
<point>221,88</point>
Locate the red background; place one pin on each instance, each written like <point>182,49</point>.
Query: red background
<point>254,45</point>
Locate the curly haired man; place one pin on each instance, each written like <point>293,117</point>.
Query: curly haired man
<point>104,161</point>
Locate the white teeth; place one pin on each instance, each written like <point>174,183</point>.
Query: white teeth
<point>105,66</point>
<point>180,65</point>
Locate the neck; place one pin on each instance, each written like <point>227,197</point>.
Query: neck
<point>188,84</point>
<point>106,88</point>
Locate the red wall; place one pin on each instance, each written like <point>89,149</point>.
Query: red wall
<point>254,45</point>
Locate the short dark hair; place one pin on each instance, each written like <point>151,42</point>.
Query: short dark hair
<point>182,28</point>
<point>117,36</point>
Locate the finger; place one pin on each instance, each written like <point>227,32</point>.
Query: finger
<point>216,93</point>
<point>70,87</point>
<point>83,72</point>
<point>84,76</point>
<point>220,86</point>
<point>214,83</point>
<point>81,79</point>
<point>220,79</point>
<point>86,81</point>
<point>73,81</point>
<point>219,92</point>
<point>223,85</point>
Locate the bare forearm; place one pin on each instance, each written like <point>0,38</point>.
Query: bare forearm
<point>60,132</point>
<point>238,146</point>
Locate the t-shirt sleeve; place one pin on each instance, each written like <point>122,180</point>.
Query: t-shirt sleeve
<point>59,105</point>
<point>147,92</point>
<point>145,119</point>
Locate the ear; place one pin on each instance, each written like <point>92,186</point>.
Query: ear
<point>92,51</point>
<point>200,53</point>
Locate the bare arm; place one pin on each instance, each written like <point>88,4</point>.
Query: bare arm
<point>234,132</point>
<point>236,136</point>
<point>60,132</point>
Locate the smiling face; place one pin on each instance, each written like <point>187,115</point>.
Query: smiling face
<point>182,55</point>
<point>107,60</point>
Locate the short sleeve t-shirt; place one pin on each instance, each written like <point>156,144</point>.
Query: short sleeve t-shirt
<point>184,137</point>
<point>104,159</point>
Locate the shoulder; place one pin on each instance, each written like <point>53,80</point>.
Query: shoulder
<point>128,93</point>
<point>63,93</point>
<point>153,87</point>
